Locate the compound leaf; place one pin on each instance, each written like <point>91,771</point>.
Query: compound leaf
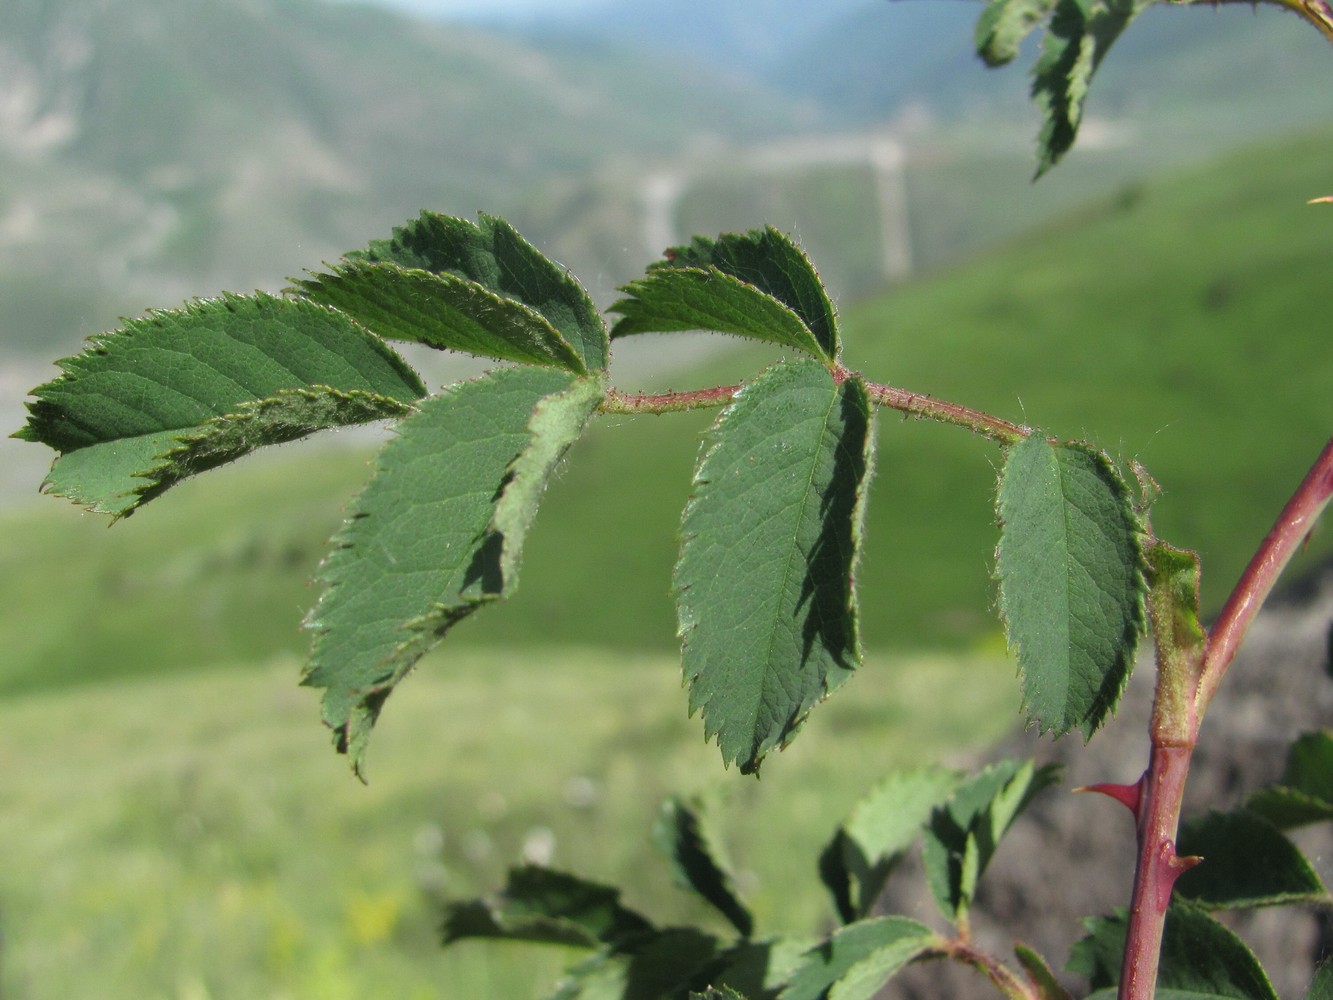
<point>538,904</point>
<point>767,261</point>
<point>179,391</point>
<point>857,862</point>
<point>435,534</point>
<point>858,959</point>
<point>963,834</point>
<point>1071,581</point>
<point>1200,958</point>
<point>682,832</point>
<point>491,253</point>
<point>442,311</point>
<point>1246,862</point>
<point>1077,39</point>
<point>769,546</point>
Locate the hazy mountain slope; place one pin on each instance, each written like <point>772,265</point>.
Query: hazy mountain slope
<point>744,36</point>
<point>155,148</point>
<point>855,61</point>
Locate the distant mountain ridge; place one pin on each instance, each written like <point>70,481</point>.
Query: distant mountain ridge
<point>151,149</point>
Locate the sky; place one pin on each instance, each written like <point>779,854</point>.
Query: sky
<point>473,8</point>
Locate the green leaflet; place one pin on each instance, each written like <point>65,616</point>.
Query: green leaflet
<point>436,533</point>
<point>963,834</point>
<point>557,421</point>
<point>769,545</point>
<point>1305,794</point>
<point>1310,764</point>
<point>1071,581</point>
<point>538,904</point>
<point>491,253</point>
<point>286,416</point>
<point>442,311</point>
<point>1322,986</point>
<point>1200,958</point>
<point>671,299</point>
<point>857,862</point>
<point>1247,862</point>
<point>663,965</point>
<point>1039,974</point>
<point>764,259</point>
<point>1004,24</point>
<point>858,959</point>
<point>1077,39</point>
<point>682,832</point>
<point>179,391</point>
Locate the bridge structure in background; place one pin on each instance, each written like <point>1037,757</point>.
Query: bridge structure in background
<point>661,191</point>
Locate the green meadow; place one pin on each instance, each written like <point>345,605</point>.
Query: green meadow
<point>176,825</point>
<point>196,837</point>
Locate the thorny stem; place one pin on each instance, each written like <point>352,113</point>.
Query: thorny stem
<point>913,404</point>
<point>909,403</point>
<point>1160,791</point>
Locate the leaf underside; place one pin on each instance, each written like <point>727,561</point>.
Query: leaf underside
<point>769,546</point>
<point>437,533</point>
<point>675,299</point>
<point>765,260</point>
<point>491,253</point>
<point>180,391</point>
<point>1071,581</point>
<point>442,311</point>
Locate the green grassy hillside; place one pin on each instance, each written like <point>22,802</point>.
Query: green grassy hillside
<point>1183,323</point>
<point>195,837</point>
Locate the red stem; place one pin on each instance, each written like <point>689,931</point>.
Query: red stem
<point>667,402</point>
<point>910,403</point>
<point>1163,786</point>
<point>1162,790</point>
<point>1292,527</point>
<point>917,405</point>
